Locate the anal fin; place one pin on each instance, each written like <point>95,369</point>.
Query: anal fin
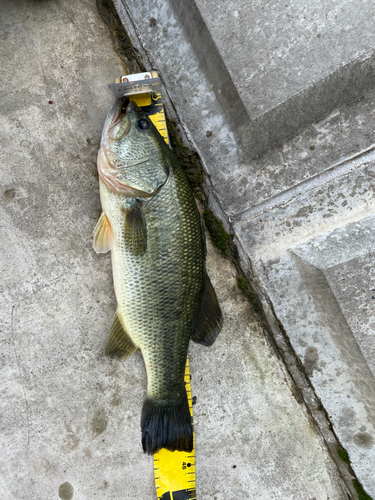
<point>135,231</point>
<point>209,319</point>
<point>103,237</point>
<point>119,344</point>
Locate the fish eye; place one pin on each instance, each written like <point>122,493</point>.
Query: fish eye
<point>142,124</point>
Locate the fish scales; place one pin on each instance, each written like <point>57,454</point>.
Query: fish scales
<point>158,261</point>
<point>159,292</point>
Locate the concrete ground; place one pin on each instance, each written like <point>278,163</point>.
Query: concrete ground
<point>70,423</point>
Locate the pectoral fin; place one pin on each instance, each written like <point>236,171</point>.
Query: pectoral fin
<point>135,230</point>
<point>119,344</point>
<point>103,237</point>
<point>209,319</point>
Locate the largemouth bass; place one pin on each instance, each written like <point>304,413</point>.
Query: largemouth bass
<point>152,226</point>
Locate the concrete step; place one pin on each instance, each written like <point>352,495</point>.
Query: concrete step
<point>288,63</point>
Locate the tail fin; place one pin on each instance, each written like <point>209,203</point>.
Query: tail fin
<point>166,426</point>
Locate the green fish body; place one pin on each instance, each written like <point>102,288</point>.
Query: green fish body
<point>152,226</point>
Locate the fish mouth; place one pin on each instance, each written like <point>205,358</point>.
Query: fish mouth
<point>120,124</point>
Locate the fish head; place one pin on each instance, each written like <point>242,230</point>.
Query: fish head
<point>133,157</point>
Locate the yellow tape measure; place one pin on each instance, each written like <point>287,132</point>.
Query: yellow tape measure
<point>174,470</point>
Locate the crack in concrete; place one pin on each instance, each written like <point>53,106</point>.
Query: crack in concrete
<point>47,285</point>
<point>20,375</point>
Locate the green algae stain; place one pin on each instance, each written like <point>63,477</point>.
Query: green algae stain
<point>244,286</point>
<point>343,454</point>
<point>362,495</point>
<point>220,238</point>
<point>250,293</point>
